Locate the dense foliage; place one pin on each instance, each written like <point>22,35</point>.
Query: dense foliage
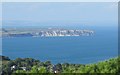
<point>36,66</point>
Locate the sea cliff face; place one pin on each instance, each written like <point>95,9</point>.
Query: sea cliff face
<point>45,32</point>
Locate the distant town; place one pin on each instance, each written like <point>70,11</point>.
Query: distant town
<point>48,32</point>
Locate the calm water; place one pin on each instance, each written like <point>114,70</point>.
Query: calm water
<point>103,45</point>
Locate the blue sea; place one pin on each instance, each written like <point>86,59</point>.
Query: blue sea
<point>101,46</point>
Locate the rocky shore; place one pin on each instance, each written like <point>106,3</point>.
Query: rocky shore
<point>45,32</point>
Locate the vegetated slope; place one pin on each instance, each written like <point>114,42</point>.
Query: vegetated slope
<point>36,66</point>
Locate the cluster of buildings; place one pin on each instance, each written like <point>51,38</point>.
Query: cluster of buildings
<point>52,68</point>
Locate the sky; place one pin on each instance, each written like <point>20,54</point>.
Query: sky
<point>59,0</point>
<point>60,13</point>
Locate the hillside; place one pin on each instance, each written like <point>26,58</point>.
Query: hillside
<point>29,65</point>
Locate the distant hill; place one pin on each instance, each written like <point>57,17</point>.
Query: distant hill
<point>47,32</point>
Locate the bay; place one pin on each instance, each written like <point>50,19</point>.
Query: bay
<point>79,50</point>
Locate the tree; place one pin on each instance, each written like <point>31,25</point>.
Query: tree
<point>42,70</point>
<point>34,70</point>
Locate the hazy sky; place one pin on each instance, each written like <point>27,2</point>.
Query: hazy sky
<point>60,0</point>
<point>91,13</point>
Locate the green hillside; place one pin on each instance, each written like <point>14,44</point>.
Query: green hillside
<point>29,65</point>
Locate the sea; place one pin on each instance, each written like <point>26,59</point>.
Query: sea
<point>101,46</point>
